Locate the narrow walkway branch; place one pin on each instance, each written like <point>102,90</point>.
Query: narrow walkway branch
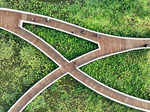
<point>42,45</point>
<point>39,87</point>
<point>109,92</point>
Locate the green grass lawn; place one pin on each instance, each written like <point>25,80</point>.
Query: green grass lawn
<point>21,65</point>
<point>70,46</point>
<point>127,72</point>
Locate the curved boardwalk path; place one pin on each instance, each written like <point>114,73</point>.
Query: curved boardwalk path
<point>12,20</point>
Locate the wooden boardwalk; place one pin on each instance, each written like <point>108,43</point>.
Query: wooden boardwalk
<point>12,20</point>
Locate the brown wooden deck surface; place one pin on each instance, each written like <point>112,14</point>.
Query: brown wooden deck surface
<point>10,20</point>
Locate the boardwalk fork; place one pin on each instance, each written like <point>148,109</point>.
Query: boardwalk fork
<point>12,21</point>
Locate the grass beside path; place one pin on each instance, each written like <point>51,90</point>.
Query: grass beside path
<point>68,95</point>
